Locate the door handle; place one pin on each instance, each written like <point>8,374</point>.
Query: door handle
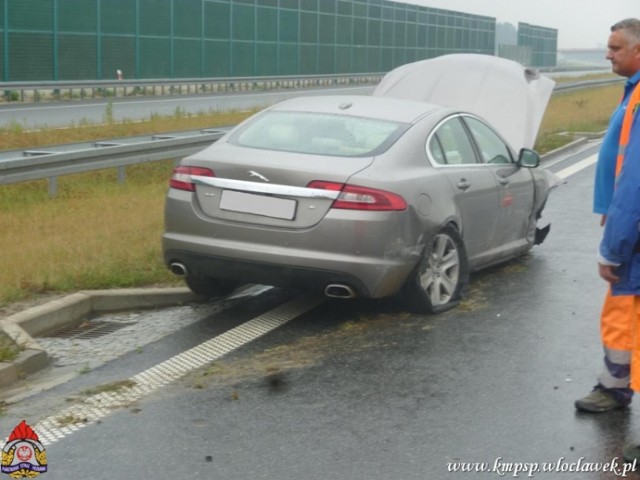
<point>503,181</point>
<point>463,184</point>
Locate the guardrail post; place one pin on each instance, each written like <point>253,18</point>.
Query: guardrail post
<point>53,186</point>
<point>122,173</point>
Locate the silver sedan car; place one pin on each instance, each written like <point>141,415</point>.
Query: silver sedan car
<point>404,191</point>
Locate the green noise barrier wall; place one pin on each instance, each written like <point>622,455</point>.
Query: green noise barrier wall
<point>44,40</point>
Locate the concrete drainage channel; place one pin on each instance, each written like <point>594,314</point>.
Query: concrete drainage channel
<point>69,311</point>
<point>91,408</point>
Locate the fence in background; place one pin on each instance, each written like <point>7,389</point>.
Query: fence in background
<point>80,89</point>
<point>42,40</point>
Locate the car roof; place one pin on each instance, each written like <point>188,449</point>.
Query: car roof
<point>392,109</point>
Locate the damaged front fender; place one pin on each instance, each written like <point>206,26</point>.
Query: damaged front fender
<point>546,181</point>
<point>541,234</point>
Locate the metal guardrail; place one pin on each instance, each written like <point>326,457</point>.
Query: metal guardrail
<point>569,86</point>
<point>81,89</point>
<point>38,164</point>
<point>20,166</point>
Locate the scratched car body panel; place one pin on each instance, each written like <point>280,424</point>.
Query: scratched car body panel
<point>365,196</point>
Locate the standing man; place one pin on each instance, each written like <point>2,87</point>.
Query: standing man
<point>619,309</point>
<point>619,252</point>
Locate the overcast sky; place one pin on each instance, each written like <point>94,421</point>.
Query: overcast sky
<point>580,23</point>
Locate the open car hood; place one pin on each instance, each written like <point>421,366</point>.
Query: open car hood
<point>509,96</point>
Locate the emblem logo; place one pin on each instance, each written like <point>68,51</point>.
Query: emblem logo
<point>23,456</point>
<point>253,173</point>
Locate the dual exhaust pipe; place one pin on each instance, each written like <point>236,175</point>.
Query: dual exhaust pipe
<point>339,290</point>
<point>178,269</point>
<point>333,290</point>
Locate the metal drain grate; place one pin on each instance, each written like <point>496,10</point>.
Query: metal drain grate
<point>89,329</point>
<point>91,409</point>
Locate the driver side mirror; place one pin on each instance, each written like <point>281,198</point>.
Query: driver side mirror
<point>528,158</point>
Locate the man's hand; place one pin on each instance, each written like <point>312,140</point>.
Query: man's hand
<point>608,273</point>
<point>603,220</point>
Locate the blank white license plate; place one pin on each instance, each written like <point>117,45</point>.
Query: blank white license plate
<point>258,204</point>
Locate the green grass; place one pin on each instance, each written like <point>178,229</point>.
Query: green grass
<point>13,135</point>
<point>8,349</point>
<point>581,111</point>
<point>97,233</point>
<point>94,234</point>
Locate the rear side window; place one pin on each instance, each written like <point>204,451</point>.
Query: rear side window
<point>450,144</point>
<point>319,133</point>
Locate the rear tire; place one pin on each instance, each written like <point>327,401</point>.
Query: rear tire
<point>436,284</point>
<point>209,287</point>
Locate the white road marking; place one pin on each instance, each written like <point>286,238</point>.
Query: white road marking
<point>576,167</point>
<point>92,408</point>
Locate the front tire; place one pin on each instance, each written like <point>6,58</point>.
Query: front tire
<point>436,284</point>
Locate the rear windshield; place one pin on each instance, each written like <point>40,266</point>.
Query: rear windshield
<point>319,133</point>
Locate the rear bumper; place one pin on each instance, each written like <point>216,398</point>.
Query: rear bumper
<point>372,252</point>
<point>368,279</point>
<point>276,275</point>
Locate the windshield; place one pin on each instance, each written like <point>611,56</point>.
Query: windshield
<point>319,133</point>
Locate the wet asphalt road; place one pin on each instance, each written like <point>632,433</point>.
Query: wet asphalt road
<point>363,390</point>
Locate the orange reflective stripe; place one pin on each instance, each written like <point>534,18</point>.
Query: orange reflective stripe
<point>635,356</point>
<point>632,105</point>
<point>616,321</point>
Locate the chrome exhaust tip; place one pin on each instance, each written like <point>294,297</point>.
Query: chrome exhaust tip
<point>178,269</point>
<point>338,290</point>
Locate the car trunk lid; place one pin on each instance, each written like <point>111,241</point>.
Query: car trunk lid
<point>270,188</point>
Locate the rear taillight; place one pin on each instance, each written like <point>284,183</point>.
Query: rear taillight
<point>181,177</point>
<point>353,197</point>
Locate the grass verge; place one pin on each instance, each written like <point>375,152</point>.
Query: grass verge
<point>571,113</point>
<point>94,234</point>
<point>8,349</point>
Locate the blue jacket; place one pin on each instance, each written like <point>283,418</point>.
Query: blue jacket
<point>620,241</point>
<point>606,166</point>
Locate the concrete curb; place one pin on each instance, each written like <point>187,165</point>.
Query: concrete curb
<point>68,311</point>
<point>581,138</point>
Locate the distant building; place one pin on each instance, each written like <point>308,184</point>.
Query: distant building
<point>528,44</point>
<point>506,34</point>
